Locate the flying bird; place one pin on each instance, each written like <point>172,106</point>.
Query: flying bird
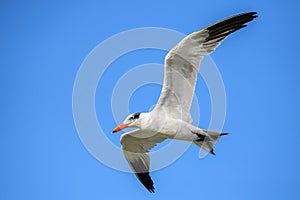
<point>170,118</point>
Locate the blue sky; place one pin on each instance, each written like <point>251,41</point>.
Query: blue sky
<point>42,47</point>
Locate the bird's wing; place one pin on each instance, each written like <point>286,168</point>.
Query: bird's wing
<point>183,61</point>
<point>135,145</point>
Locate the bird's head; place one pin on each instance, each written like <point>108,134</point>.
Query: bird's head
<point>133,120</point>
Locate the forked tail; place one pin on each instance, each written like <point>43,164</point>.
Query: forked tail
<point>208,140</point>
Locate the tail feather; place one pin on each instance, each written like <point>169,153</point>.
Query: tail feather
<point>208,140</point>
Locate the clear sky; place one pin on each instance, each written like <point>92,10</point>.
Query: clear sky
<point>43,44</point>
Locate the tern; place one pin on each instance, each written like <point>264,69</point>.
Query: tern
<point>170,118</point>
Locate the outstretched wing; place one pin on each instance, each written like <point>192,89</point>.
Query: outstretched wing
<point>183,61</point>
<point>135,145</point>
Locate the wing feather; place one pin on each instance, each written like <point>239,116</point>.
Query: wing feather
<point>183,61</point>
<point>135,146</point>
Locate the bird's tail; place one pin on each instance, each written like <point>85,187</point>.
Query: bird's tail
<point>208,140</point>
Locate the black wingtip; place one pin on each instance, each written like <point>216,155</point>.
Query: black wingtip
<point>146,181</point>
<point>151,190</point>
<point>222,29</point>
<point>254,14</point>
<point>249,14</point>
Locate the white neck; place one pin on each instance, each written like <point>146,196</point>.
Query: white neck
<point>145,121</point>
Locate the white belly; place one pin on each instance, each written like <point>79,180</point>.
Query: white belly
<point>175,129</point>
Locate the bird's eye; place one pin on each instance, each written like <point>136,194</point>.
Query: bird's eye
<point>130,118</point>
